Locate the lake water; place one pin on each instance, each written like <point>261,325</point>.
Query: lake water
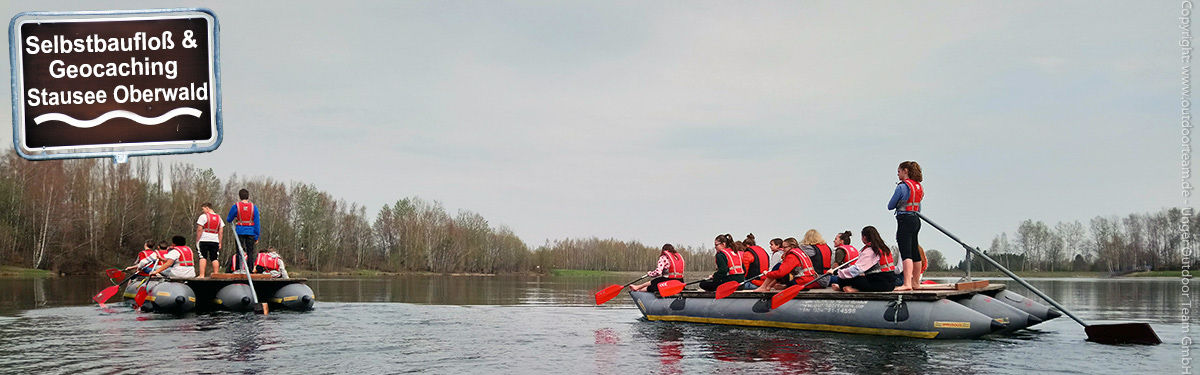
<point>542,325</point>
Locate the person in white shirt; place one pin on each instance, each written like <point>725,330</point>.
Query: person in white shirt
<point>178,261</point>
<point>210,231</point>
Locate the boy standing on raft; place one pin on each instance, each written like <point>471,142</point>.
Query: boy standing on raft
<point>210,230</point>
<point>244,216</point>
<point>906,200</point>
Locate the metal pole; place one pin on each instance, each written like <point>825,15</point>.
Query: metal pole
<point>1014,276</point>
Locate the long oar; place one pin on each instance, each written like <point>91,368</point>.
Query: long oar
<point>246,267</point>
<point>108,292</point>
<point>727,289</point>
<point>672,287</point>
<point>606,294</point>
<point>787,294</point>
<point>1134,333</point>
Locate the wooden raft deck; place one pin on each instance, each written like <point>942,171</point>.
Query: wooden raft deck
<point>927,293</point>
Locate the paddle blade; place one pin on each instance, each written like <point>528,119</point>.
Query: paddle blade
<point>727,289</point>
<point>114,273</point>
<point>105,294</point>
<point>1122,333</point>
<point>786,295</point>
<point>670,287</point>
<point>140,298</point>
<point>608,294</point>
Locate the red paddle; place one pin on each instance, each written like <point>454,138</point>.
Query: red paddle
<point>606,294</point>
<point>787,294</point>
<point>114,273</point>
<point>108,292</point>
<point>672,287</point>
<point>727,289</point>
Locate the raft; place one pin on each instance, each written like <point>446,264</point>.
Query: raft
<point>944,311</point>
<point>221,292</point>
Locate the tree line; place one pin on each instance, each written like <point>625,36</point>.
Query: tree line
<point>1105,244</point>
<point>77,216</point>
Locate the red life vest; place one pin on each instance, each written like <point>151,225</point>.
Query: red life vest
<point>185,256</point>
<point>886,262</point>
<point>674,267</point>
<point>245,214</point>
<point>213,225</point>
<point>805,269</point>
<point>268,261</point>
<point>915,194</point>
<point>142,256</point>
<point>760,259</point>
<point>826,257</point>
<point>851,252</point>
<point>734,261</point>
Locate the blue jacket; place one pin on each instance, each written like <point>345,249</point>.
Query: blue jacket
<point>244,230</point>
<point>899,197</point>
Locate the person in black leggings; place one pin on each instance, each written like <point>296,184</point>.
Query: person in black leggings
<point>906,200</point>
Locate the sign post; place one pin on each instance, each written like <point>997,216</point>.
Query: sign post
<point>115,83</point>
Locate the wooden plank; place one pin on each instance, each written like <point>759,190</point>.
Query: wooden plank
<point>972,285</point>
<point>241,276</point>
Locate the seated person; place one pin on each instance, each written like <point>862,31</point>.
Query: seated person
<point>874,271</point>
<point>269,262</point>
<point>669,267</point>
<point>795,268</point>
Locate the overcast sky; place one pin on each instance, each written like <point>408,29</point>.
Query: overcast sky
<point>669,121</point>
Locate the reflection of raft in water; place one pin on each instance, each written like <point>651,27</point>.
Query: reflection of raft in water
<point>943,312</point>
<point>222,292</point>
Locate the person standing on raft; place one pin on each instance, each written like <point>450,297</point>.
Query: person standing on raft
<point>669,267</point>
<point>906,200</point>
<point>244,216</point>
<point>209,233</point>
<point>729,264</point>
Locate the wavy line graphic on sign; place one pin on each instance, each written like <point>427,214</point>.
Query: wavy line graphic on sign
<point>117,113</point>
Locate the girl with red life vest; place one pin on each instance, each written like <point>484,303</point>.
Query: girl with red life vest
<point>755,261</point>
<point>795,268</point>
<point>669,267</point>
<point>843,251</point>
<point>906,200</point>
<point>821,255</point>
<point>729,263</point>
<point>874,271</point>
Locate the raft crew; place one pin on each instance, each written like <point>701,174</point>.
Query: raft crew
<point>270,263</point>
<point>755,261</point>
<point>145,259</point>
<point>209,233</point>
<point>844,251</point>
<point>906,200</point>
<point>874,271</point>
<point>818,252</point>
<point>670,267</point>
<point>795,268</point>
<point>244,216</point>
<point>729,263</point>
<point>177,261</point>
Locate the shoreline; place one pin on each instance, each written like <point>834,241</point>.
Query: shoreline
<point>17,272</point>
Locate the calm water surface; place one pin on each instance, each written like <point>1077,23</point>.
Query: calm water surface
<point>445,324</point>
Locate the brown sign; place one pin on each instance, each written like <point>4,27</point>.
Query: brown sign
<point>139,83</point>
